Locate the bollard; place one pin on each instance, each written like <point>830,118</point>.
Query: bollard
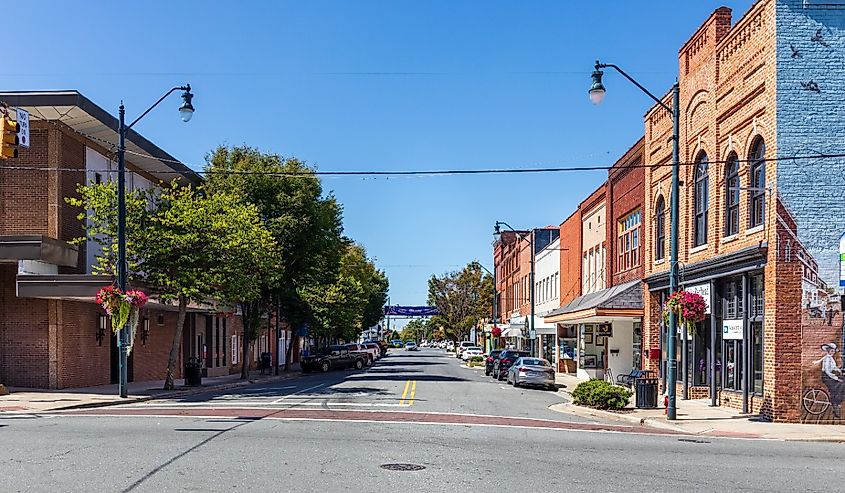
<point>666,405</point>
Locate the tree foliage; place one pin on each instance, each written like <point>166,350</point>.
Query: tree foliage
<point>463,299</point>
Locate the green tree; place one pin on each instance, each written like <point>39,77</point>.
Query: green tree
<point>185,244</point>
<point>463,299</point>
<point>415,330</point>
<point>306,225</point>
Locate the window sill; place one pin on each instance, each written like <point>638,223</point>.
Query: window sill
<point>728,239</point>
<point>699,248</point>
<point>755,229</point>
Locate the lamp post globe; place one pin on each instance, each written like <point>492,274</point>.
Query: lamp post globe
<point>597,90</point>
<point>186,110</point>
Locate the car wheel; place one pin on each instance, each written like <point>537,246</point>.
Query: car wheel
<point>515,382</point>
<point>325,366</point>
<point>486,372</point>
<point>359,364</point>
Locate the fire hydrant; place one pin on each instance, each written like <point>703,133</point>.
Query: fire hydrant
<point>666,404</point>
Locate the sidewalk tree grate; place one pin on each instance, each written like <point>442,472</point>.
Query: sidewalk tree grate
<point>402,467</point>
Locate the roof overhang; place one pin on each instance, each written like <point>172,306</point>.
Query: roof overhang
<point>596,315</point>
<point>38,247</point>
<point>85,117</point>
<point>82,288</point>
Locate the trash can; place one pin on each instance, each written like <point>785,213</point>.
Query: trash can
<point>266,362</point>
<point>646,393</point>
<point>193,372</point>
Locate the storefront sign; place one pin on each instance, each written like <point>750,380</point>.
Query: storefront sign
<point>732,329</point>
<point>842,263</point>
<point>704,291</point>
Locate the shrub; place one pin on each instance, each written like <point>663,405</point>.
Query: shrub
<point>600,395</point>
<point>476,359</point>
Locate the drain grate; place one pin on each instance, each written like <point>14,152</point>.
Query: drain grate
<point>692,440</point>
<point>402,467</point>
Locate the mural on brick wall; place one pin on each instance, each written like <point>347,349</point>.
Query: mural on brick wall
<point>811,210</point>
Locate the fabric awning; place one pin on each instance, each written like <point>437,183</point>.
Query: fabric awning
<point>512,332</point>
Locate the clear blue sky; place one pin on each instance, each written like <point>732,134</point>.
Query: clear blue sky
<point>378,85</point>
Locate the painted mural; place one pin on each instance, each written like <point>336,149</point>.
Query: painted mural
<point>811,219</point>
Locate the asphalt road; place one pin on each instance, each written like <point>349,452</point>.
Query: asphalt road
<point>328,432</point>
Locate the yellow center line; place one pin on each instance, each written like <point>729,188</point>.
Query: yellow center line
<point>405,393</point>
<point>413,392</point>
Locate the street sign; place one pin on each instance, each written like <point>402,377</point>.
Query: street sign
<point>23,127</point>
<point>704,291</point>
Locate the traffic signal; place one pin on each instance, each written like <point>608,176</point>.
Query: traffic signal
<point>9,144</point>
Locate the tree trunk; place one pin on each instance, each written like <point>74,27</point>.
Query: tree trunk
<point>177,343</point>
<point>294,340</point>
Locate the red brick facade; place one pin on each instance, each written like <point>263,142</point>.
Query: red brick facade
<point>625,195</point>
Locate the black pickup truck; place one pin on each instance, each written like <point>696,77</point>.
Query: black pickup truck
<point>333,358</point>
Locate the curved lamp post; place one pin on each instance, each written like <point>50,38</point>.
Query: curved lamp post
<point>186,111</point>
<point>597,92</point>
<point>497,231</point>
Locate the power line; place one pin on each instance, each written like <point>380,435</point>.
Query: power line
<point>441,172</point>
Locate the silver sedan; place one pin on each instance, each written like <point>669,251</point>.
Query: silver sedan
<point>532,371</point>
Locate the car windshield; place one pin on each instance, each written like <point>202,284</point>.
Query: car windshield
<point>535,362</point>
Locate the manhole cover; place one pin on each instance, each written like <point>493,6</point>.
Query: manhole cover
<point>402,467</point>
<point>692,440</point>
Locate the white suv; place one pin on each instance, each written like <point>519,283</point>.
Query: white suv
<point>462,346</point>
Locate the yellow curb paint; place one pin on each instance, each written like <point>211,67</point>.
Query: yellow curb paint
<point>405,392</point>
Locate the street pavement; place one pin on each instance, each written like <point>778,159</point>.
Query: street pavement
<point>340,431</point>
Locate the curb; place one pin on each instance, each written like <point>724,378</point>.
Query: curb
<point>176,393</point>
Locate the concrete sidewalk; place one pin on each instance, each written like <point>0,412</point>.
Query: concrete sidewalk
<point>38,400</point>
<point>697,417</point>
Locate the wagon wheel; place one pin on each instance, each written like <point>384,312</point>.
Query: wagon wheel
<point>816,401</point>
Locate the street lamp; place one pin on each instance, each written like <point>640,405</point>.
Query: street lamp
<point>495,312</point>
<point>497,231</point>
<point>186,111</point>
<point>597,92</point>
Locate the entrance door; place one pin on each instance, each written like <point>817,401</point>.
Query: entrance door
<point>733,365</point>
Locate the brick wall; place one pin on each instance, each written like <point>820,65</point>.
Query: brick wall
<point>23,335</point>
<point>625,194</point>
<point>570,258</point>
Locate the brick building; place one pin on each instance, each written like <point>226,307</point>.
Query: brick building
<point>52,333</point>
<point>599,320</point>
<point>760,223</point>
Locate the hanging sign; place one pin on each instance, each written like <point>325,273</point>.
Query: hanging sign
<point>704,291</point>
<point>732,330</point>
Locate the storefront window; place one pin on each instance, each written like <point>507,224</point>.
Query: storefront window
<point>733,365</point>
<point>757,356</point>
<point>638,346</point>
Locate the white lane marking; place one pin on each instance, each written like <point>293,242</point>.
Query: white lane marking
<point>299,392</point>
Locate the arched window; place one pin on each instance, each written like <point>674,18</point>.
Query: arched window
<point>757,195</point>
<point>700,200</point>
<point>660,229</point>
<point>732,195</point>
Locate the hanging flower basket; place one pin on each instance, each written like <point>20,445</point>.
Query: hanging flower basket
<point>496,331</point>
<point>688,307</point>
<point>123,308</point>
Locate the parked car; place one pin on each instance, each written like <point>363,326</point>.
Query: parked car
<point>397,343</point>
<point>488,362</point>
<point>411,346</point>
<point>382,346</point>
<point>369,357</point>
<point>532,371</point>
<point>375,348</point>
<point>506,359</point>
<point>463,345</point>
<point>332,358</point>
<point>450,346</point>
<point>470,352</point>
